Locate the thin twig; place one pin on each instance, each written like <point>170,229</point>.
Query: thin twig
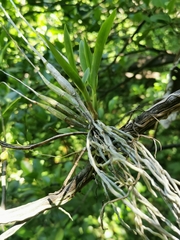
<point>32,146</point>
<point>74,167</point>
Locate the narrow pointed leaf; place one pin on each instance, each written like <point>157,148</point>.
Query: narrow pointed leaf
<point>85,55</point>
<point>70,72</point>
<point>68,69</point>
<point>88,54</point>
<point>99,46</point>
<point>69,49</point>
<point>82,56</point>
<point>86,76</point>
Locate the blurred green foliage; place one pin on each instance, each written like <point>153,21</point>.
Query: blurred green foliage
<point>140,51</point>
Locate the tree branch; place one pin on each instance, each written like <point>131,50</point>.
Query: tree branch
<point>148,118</point>
<point>60,197</point>
<point>22,214</point>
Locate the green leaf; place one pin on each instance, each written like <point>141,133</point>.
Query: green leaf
<point>145,33</point>
<point>88,54</point>
<point>171,6</point>
<point>85,55</point>
<point>99,46</point>
<point>11,107</point>
<point>82,56</point>
<point>69,49</point>
<point>160,17</point>
<point>2,52</point>
<point>101,113</point>
<point>71,73</point>
<point>66,130</point>
<point>68,69</point>
<point>59,234</point>
<point>86,76</point>
<point>112,103</point>
<point>159,3</point>
<point>26,166</point>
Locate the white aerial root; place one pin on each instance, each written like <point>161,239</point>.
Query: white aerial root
<point>125,162</point>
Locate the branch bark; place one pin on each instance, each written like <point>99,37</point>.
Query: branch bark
<point>148,118</point>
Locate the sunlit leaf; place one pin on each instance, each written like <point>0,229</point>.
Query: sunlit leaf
<point>65,65</point>
<point>88,54</point>
<point>171,5</point>
<point>26,166</point>
<point>69,49</point>
<point>86,76</point>
<point>160,17</point>
<point>99,47</point>
<point>70,72</point>
<point>85,55</point>
<point>82,56</point>
<point>159,3</point>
